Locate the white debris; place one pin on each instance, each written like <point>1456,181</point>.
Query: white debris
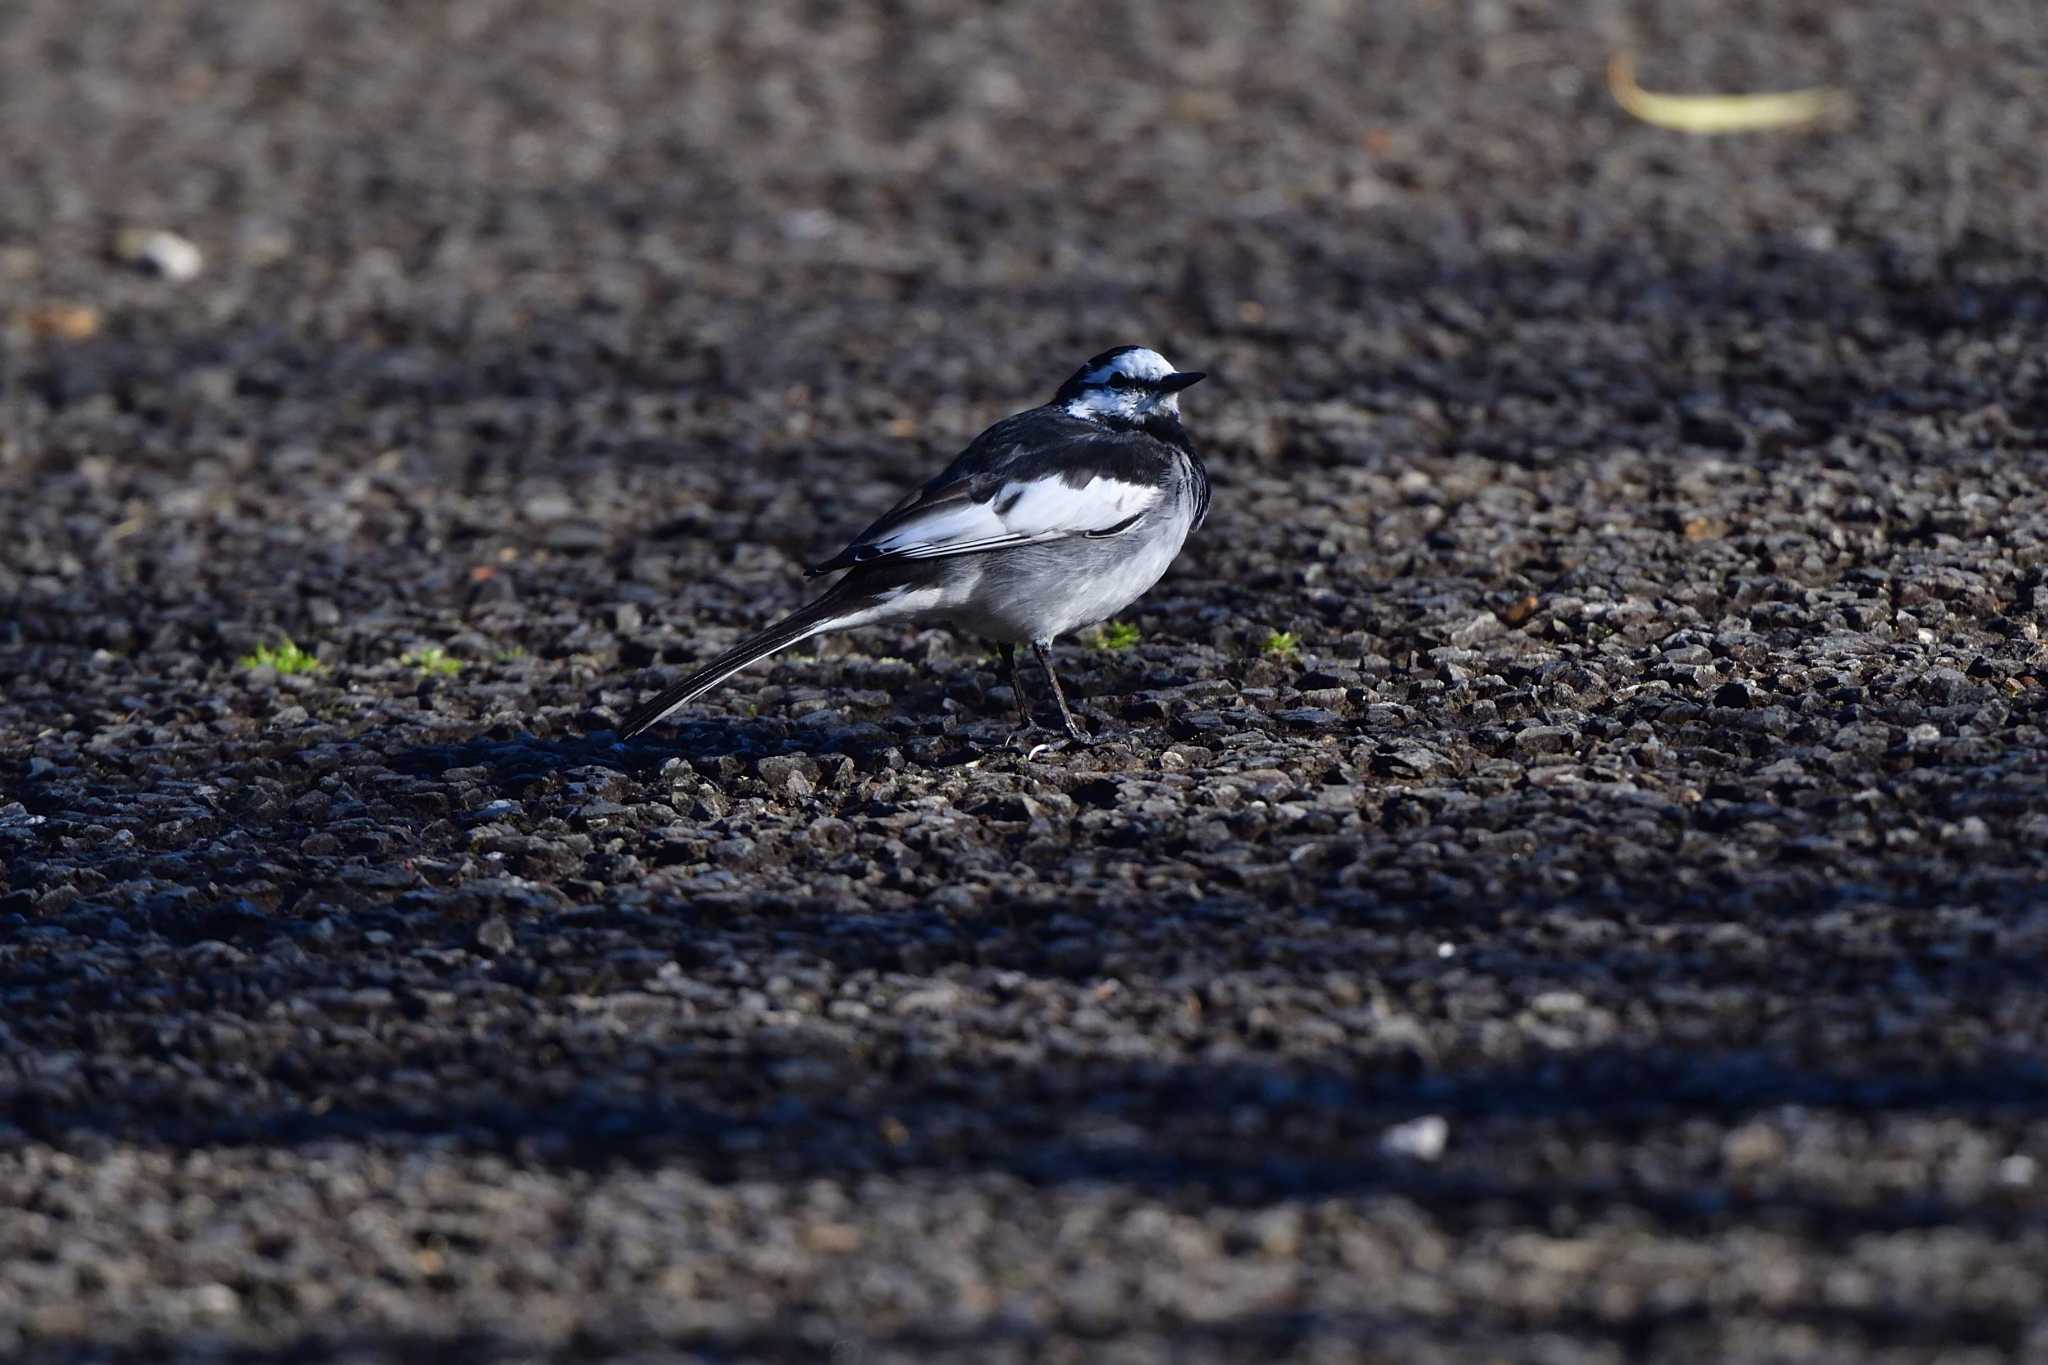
<point>169,255</point>
<point>1419,1139</point>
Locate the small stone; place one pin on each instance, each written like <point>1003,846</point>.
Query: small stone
<point>216,1300</point>
<point>792,775</point>
<point>937,999</point>
<point>1482,626</point>
<point>1753,1145</point>
<point>1410,761</point>
<point>575,536</point>
<point>494,935</point>
<point>1732,694</point>
<point>490,811</point>
<point>1276,1231</point>
<point>64,321</point>
<point>1971,833</point>
<point>545,507</point>
<point>1419,1139</point>
<point>1547,739</point>
<point>160,252</point>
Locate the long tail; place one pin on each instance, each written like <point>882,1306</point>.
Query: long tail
<point>814,618</point>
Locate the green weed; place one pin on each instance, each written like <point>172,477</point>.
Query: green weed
<point>435,660</point>
<point>284,656</point>
<point>1116,635</point>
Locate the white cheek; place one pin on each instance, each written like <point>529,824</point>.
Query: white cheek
<point>1107,403</point>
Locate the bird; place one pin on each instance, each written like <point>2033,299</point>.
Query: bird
<point>1055,518</point>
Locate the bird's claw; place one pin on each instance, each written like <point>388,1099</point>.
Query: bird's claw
<point>1034,741</point>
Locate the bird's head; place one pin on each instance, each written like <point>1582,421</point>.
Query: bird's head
<point>1127,385</point>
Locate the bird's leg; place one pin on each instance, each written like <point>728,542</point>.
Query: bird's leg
<point>1039,648</point>
<point>1017,686</point>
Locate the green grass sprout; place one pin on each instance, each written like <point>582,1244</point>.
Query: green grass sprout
<point>1280,644</point>
<point>284,656</point>
<point>435,660</point>
<point>1116,636</point>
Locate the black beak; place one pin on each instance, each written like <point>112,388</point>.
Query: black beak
<point>1179,380</point>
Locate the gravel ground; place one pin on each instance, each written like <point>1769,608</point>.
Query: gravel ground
<point>1616,932</point>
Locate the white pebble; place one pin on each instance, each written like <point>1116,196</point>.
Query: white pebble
<point>1421,1139</point>
<point>169,255</point>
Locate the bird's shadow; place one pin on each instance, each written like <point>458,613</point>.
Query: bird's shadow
<point>514,758</point>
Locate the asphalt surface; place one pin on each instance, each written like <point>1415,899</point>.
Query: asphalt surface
<point>1614,931</point>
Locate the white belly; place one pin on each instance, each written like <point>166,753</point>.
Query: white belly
<point>1037,592</point>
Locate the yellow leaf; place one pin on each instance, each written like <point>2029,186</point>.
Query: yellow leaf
<point>1711,114</point>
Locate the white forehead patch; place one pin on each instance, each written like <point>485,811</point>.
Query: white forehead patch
<point>1138,364</point>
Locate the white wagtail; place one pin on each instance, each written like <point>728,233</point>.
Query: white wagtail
<point>1053,519</point>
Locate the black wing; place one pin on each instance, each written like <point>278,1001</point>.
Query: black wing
<point>1038,476</point>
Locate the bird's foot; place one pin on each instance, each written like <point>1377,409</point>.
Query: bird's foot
<point>1032,740</point>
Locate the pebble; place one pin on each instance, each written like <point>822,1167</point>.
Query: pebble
<point>161,252</point>
<point>494,935</point>
<point>1418,1139</point>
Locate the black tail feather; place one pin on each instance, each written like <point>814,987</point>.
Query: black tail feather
<point>812,619</point>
